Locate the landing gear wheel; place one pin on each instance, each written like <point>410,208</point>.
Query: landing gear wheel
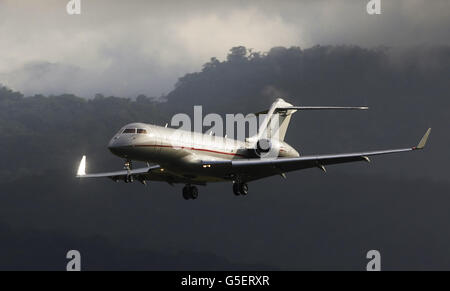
<point>194,192</point>
<point>236,189</point>
<point>243,188</point>
<point>240,189</point>
<point>190,192</point>
<point>186,194</point>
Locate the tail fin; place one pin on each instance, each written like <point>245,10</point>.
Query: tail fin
<point>282,111</point>
<point>276,121</point>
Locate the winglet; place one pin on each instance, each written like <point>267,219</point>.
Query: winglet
<point>423,141</point>
<point>82,167</point>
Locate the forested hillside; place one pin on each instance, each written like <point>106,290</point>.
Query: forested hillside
<point>43,137</point>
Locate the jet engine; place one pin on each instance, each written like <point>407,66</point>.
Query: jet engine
<point>267,147</point>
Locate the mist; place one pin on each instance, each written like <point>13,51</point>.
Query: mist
<point>143,47</point>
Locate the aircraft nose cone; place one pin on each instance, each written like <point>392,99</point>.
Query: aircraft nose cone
<point>117,146</point>
<point>112,144</point>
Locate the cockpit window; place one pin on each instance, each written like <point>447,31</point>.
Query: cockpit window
<point>141,131</point>
<point>129,130</point>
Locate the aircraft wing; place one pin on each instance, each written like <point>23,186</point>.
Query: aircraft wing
<point>116,175</point>
<point>152,173</point>
<point>253,169</point>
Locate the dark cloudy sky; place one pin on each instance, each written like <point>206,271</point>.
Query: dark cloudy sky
<point>398,204</point>
<point>127,48</point>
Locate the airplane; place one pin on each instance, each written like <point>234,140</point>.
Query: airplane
<point>182,159</point>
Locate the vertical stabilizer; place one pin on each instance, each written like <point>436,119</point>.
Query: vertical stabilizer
<point>276,121</point>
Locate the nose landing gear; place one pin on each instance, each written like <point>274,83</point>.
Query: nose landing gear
<point>190,192</point>
<point>129,179</point>
<point>127,166</point>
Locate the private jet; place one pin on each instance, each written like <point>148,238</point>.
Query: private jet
<point>184,159</point>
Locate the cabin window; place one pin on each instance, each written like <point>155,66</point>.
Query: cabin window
<point>141,131</point>
<point>129,130</point>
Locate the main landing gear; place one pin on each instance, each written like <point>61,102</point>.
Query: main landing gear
<point>190,192</point>
<point>127,166</point>
<point>240,188</point>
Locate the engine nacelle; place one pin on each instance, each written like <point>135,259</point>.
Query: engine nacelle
<point>267,147</point>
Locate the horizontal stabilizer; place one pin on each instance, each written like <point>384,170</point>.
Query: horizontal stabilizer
<point>323,108</point>
<point>286,109</point>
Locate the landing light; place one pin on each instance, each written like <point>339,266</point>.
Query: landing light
<point>206,166</point>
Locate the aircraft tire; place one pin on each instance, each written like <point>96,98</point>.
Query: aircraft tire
<point>186,194</point>
<point>236,189</point>
<point>194,192</point>
<point>243,189</point>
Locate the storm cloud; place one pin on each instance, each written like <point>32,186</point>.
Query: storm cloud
<point>142,47</point>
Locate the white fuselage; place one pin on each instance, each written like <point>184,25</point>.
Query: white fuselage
<point>181,151</point>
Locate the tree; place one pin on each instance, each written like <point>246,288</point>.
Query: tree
<point>237,54</point>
